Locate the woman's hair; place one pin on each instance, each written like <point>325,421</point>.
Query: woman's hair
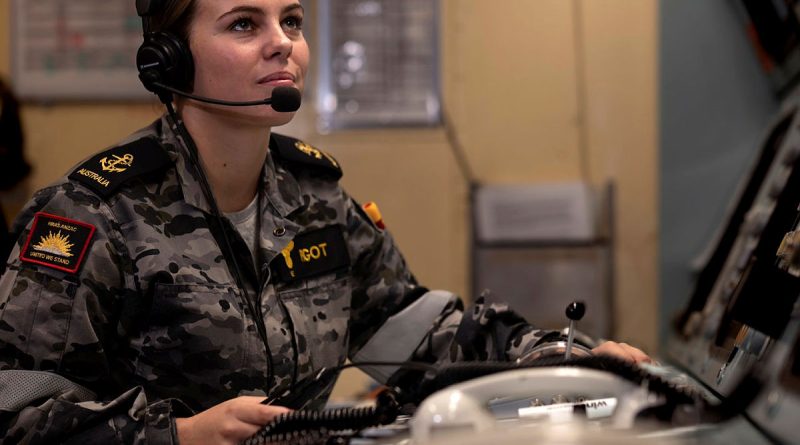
<point>174,18</point>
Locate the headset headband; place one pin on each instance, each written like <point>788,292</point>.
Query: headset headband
<point>146,8</point>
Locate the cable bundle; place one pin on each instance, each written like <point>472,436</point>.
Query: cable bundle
<point>459,372</point>
<point>317,427</point>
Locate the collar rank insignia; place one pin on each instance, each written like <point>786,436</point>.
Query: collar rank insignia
<point>299,152</point>
<point>107,171</point>
<point>313,253</point>
<point>57,242</point>
<point>314,152</point>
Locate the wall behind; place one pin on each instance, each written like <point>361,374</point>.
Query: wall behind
<point>550,90</point>
<point>621,118</point>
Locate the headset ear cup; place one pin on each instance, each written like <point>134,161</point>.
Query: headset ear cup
<point>163,58</point>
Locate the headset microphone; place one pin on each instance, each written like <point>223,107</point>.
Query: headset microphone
<point>283,99</point>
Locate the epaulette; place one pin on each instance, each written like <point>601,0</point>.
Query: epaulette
<point>294,150</point>
<point>107,171</point>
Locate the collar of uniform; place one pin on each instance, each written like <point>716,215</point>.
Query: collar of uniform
<point>280,198</point>
<point>187,175</point>
<point>283,190</point>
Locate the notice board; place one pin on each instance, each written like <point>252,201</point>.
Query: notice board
<point>75,50</point>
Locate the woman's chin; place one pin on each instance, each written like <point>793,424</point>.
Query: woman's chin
<point>260,115</point>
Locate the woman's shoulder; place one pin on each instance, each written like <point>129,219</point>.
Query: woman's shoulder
<point>299,155</point>
<point>107,171</point>
<point>99,177</point>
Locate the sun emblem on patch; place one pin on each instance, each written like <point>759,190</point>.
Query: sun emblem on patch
<point>56,244</point>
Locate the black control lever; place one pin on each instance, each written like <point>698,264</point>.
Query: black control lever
<point>575,312</point>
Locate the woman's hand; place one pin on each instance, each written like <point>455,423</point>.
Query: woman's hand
<point>623,351</point>
<point>229,422</point>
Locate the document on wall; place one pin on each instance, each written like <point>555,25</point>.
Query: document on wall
<point>378,63</point>
<point>75,50</point>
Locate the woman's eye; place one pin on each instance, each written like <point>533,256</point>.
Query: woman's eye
<point>295,23</point>
<point>243,24</point>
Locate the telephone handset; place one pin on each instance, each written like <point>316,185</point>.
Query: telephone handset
<point>467,406</point>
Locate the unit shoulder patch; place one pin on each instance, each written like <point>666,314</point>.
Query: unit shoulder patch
<point>313,253</point>
<point>57,242</point>
<point>294,150</point>
<point>105,172</point>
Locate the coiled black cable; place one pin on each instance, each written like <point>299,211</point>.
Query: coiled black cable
<point>315,427</point>
<point>459,372</point>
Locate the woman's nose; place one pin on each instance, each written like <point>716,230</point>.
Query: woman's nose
<point>277,44</point>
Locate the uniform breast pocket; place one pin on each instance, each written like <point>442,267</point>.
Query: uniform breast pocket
<point>320,313</point>
<point>194,333</point>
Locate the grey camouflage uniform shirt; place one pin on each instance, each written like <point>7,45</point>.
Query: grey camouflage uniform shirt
<point>151,324</point>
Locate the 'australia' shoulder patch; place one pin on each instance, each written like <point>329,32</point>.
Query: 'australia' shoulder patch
<point>313,253</point>
<point>57,242</point>
<point>298,151</point>
<point>105,172</point>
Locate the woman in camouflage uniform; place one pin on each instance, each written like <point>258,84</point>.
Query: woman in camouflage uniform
<point>139,308</point>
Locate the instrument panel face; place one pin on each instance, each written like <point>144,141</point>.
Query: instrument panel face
<point>744,317</point>
<point>790,375</point>
<point>746,292</point>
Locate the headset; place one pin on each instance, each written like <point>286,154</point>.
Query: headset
<point>163,58</point>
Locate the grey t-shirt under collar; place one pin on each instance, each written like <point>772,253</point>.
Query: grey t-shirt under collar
<point>246,222</point>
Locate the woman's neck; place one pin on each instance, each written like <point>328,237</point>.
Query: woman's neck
<point>232,154</point>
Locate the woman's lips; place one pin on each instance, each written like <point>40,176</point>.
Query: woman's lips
<point>278,79</point>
